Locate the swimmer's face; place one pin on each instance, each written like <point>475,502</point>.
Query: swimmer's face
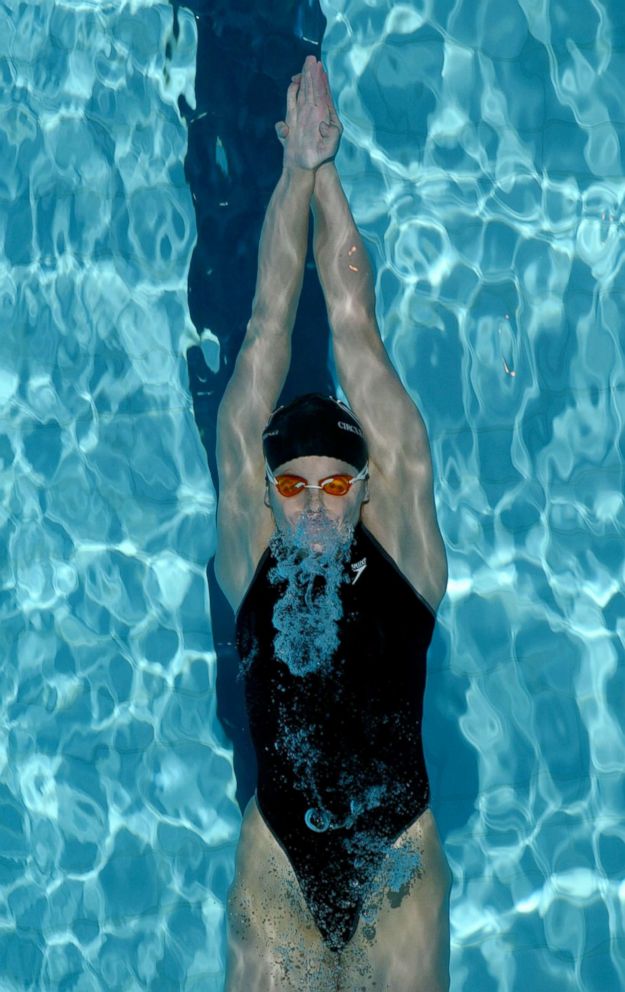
<point>343,511</point>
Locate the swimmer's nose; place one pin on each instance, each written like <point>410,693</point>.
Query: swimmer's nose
<point>314,497</point>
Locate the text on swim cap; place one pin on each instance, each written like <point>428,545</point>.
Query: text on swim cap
<point>350,427</point>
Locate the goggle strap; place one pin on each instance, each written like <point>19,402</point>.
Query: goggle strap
<point>363,474</point>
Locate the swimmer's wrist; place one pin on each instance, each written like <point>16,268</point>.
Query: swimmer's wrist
<point>301,175</point>
<point>326,173</point>
<point>301,164</point>
<point>296,169</point>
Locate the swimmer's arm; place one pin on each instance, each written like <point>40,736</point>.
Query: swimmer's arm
<point>243,522</point>
<point>264,357</point>
<point>399,451</point>
<point>393,424</point>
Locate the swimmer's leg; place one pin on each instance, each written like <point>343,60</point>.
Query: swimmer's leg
<point>403,946</point>
<point>273,942</point>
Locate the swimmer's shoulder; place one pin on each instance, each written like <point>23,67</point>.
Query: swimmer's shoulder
<point>238,559</point>
<point>414,549</point>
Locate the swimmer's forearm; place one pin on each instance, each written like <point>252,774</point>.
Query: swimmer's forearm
<point>263,361</point>
<point>282,250</point>
<point>341,258</point>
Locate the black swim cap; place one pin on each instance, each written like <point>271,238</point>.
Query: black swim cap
<point>314,425</point>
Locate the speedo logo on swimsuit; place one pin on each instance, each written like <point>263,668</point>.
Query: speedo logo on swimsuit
<point>358,567</point>
<point>350,427</point>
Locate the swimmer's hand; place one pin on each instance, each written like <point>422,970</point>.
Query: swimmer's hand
<point>312,130</point>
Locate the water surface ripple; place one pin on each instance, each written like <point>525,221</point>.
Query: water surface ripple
<point>117,812</point>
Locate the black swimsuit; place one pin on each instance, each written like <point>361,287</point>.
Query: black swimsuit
<point>341,771</point>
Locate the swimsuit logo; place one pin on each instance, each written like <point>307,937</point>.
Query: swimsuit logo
<point>350,427</point>
<point>358,567</point>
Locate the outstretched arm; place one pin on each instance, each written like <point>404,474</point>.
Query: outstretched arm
<point>399,451</point>
<point>394,426</point>
<point>243,523</point>
<point>263,360</point>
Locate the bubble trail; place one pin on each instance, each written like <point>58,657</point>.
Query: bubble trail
<point>311,564</point>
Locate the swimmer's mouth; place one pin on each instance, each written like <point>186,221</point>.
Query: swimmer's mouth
<point>320,529</point>
<point>319,533</point>
<point>317,525</point>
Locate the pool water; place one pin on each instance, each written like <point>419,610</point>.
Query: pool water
<point>483,158</point>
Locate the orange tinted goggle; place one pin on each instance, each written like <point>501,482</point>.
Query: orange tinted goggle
<point>334,485</point>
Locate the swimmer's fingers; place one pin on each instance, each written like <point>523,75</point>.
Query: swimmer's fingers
<point>291,101</point>
<point>283,127</point>
<point>306,92</point>
<point>282,131</point>
<point>327,95</point>
<point>317,83</point>
<point>311,133</point>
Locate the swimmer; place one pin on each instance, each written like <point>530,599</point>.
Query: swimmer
<point>331,557</point>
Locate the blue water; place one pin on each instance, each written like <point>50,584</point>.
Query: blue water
<point>483,158</point>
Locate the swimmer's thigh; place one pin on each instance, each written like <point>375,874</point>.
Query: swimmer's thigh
<point>407,948</point>
<point>273,942</point>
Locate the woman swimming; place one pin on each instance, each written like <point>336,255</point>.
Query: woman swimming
<point>335,576</point>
